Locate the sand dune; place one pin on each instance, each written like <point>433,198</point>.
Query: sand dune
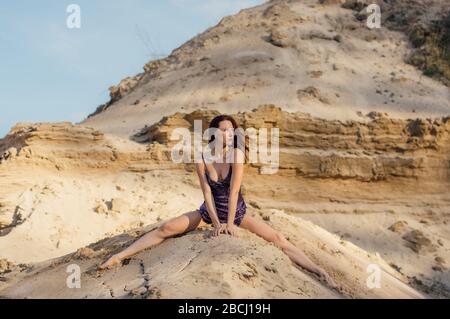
<point>238,65</point>
<point>221,267</point>
<point>362,182</point>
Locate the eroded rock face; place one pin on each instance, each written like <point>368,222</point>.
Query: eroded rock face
<point>116,92</point>
<point>64,146</point>
<point>375,149</point>
<point>417,241</point>
<point>5,266</point>
<point>281,14</point>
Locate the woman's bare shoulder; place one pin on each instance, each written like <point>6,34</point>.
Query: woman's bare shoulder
<point>200,167</point>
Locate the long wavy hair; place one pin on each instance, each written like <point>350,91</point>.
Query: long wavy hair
<point>239,141</point>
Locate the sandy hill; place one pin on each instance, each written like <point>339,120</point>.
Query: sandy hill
<point>301,55</point>
<point>221,267</point>
<point>363,178</point>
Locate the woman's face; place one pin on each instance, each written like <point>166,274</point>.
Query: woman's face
<point>226,132</point>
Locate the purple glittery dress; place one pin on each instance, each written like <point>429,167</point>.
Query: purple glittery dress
<point>221,192</point>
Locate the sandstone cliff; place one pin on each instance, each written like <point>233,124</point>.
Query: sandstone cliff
<point>363,176</point>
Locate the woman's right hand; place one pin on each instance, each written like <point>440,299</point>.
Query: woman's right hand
<point>218,229</point>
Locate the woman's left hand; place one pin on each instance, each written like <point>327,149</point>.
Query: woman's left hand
<point>231,229</point>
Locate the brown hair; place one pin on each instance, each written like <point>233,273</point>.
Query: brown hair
<point>224,117</point>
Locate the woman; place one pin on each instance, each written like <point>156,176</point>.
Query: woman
<point>223,205</point>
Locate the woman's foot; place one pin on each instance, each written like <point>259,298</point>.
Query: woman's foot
<point>114,260</point>
<point>324,276</point>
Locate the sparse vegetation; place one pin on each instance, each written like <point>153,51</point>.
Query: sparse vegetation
<point>432,49</point>
<point>429,36</point>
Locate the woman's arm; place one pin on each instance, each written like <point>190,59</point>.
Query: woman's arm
<point>236,181</point>
<point>207,194</point>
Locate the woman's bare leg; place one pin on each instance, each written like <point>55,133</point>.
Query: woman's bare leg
<point>263,230</point>
<point>174,226</point>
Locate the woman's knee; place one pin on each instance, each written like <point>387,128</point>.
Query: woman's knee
<point>168,228</point>
<point>280,240</point>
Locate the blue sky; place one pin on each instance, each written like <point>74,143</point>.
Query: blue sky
<point>51,73</point>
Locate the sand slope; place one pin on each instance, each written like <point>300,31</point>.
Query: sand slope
<point>300,55</point>
<point>364,154</point>
<point>196,265</point>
